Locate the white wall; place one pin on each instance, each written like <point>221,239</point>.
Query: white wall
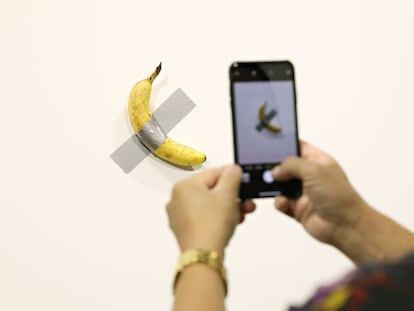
<point>76,233</point>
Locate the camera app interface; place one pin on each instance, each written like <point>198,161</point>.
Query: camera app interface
<point>266,122</point>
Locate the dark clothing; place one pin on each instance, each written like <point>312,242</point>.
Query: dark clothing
<point>375,287</point>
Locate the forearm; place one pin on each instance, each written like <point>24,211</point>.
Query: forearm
<point>199,288</point>
<point>373,237</point>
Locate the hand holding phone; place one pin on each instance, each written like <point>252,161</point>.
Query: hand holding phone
<point>265,128</point>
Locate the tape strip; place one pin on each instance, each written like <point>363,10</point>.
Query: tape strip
<point>151,135</point>
<point>130,154</point>
<point>167,116</point>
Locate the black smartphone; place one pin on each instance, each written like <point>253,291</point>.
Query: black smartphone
<point>265,129</point>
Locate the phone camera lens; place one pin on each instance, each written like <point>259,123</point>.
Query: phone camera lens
<point>271,72</point>
<point>254,72</point>
<point>288,72</point>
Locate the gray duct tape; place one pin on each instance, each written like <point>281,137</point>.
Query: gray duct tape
<point>167,116</point>
<point>151,135</point>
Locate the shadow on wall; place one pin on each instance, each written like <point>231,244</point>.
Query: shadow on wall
<point>152,172</point>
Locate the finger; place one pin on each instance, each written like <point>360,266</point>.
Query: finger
<point>305,149</point>
<point>301,208</point>
<point>290,211</point>
<point>314,154</point>
<point>209,177</point>
<point>282,204</point>
<point>229,180</point>
<point>292,167</point>
<point>248,206</point>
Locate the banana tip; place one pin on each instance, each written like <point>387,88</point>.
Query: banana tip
<point>158,69</point>
<point>155,73</point>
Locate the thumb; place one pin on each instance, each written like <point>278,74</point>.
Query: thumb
<point>292,167</point>
<point>229,180</point>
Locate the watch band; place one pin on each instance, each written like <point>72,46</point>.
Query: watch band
<point>210,258</point>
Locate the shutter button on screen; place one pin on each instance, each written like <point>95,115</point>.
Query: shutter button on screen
<point>267,177</point>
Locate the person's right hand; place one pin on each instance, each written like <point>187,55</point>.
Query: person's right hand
<point>328,201</point>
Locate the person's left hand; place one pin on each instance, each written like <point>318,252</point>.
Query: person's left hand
<point>203,210</point>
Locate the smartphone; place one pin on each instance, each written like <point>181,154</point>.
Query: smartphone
<point>265,129</point>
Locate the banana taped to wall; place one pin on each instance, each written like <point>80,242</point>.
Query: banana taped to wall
<point>150,133</point>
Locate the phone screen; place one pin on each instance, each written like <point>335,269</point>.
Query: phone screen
<point>264,125</point>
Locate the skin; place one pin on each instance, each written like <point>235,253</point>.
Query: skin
<point>203,213</point>
<point>325,184</point>
<point>333,212</point>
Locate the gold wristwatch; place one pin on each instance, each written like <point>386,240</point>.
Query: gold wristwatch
<point>210,258</point>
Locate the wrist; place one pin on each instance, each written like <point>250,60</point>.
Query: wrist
<point>350,237</point>
<point>347,229</point>
<point>195,259</point>
<point>200,244</point>
<point>202,241</point>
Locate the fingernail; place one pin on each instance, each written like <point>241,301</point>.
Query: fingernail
<point>275,171</point>
<point>235,169</point>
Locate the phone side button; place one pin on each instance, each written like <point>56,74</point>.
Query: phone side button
<point>267,177</point>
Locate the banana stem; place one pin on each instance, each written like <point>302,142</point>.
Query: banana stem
<point>155,73</point>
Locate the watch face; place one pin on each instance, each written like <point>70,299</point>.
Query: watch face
<point>210,258</point>
<point>200,256</point>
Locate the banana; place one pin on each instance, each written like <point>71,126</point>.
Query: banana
<point>140,113</point>
<point>262,117</point>
<point>138,103</point>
